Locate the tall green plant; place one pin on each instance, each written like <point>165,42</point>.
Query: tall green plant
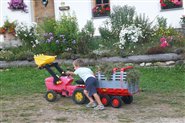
<point>47,26</point>
<point>68,26</point>
<point>85,38</point>
<point>145,24</point>
<point>121,15</point>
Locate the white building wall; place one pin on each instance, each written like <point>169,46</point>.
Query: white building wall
<point>17,15</point>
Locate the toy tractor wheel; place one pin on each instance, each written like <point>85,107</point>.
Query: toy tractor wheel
<point>127,99</point>
<point>116,101</point>
<point>105,99</point>
<point>78,96</point>
<point>51,96</point>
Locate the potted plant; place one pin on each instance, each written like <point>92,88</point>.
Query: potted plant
<point>8,30</point>
<point>182,21</point>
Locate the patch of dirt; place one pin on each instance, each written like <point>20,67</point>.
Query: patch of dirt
<point>146,108</point>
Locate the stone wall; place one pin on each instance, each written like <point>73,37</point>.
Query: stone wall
<point>169,59</point>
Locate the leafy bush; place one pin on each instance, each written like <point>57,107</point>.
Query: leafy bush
<point>85,38</point>
<point>6,55</point>
<point>148,30</point>
<point>53,44</point>
<point>24,55</point>
<point>121,15</point>
<point>48,25</point>
<point>68,26</point>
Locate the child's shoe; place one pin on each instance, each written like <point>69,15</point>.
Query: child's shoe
<point>91,105</point>
<point>99,107</point>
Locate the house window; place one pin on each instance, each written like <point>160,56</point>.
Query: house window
<point>101,8</point>
<point>170,4</point>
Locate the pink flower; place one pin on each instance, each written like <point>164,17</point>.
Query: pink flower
<point>164,44</point>
<point>163,39</point>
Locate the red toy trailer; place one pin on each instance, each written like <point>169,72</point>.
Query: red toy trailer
<point>114,91</point>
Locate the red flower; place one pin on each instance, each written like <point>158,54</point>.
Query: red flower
<point>163,4</point>
<point>107,8</point>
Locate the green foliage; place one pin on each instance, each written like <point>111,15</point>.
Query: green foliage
<point>68,26</point>
<point>53,44</point>
<point>18,53</point>
<point>133,76</point>
<point>6,55</point>
<point>121,15</point>
<point>48,25</point>
<point>162,22</point>
<point>85,38</point>
<point>147,28</point>
<point>24,55</point>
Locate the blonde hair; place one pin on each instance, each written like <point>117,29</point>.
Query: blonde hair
<point>78,62</point>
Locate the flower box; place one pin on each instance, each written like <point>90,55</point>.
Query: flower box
<point>101,10</point>
<point>170,4</point>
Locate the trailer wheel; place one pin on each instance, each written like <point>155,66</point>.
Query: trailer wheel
<point>127,99</point>
<point>116,101</point>
<point>51,96</point>
<point>105,99</point>
<point>78,96</point>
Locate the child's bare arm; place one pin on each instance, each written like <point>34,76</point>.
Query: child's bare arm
<point>70,73</point>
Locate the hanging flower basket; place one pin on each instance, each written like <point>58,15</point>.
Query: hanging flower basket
<point>17,5</point>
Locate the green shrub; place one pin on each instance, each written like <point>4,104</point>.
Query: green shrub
<point>24,55</point>
<point>52,44</point>
<point>68,26</point>
<point>48,25</point>
<point>121,15</point>
<point>148,30</point>
<point>6,55</point>
<point>85,38</point>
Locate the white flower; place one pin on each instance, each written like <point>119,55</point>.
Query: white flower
<point>129,34</point>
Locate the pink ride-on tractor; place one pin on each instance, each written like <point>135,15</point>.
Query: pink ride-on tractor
<point>114,91</point>
<point>59,84</point>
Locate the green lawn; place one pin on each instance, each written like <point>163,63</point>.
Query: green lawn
<point>30,80</point>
